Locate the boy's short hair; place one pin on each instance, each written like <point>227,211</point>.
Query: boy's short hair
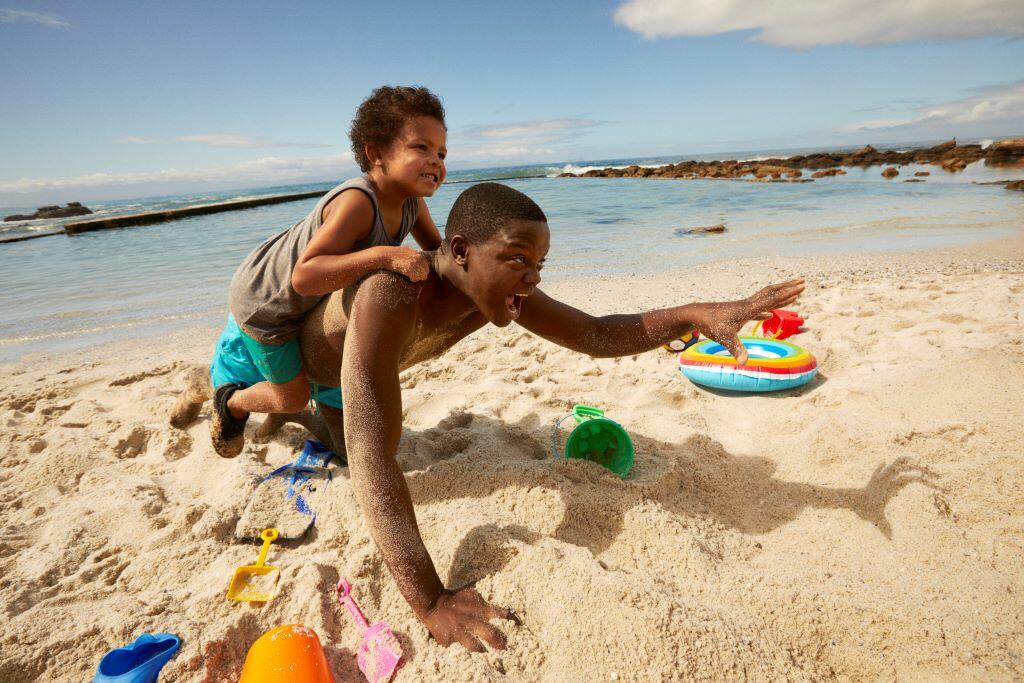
<point>484,209</point>
<point>381,116</point>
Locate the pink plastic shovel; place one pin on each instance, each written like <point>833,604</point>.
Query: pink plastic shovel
<point>379,651</point>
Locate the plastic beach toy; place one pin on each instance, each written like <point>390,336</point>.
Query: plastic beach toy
<point>781,325</point>
<point>286,499</point>
<point>598,439</point>
<point>256,582</point>
<point>379,651</point>
<point>684,342</point>
<point>771,365</point>
<point>138,662</point>
<point>286,654</point>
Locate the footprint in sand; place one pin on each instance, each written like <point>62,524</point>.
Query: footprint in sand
<point>130,442</point>
<point>172,444</point>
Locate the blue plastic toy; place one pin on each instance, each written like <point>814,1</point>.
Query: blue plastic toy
<point>138,662</point>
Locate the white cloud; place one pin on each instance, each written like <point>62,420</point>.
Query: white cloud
<point>515,143</point>
<point>9,16</point>
<point>136,140</point>
<point>266,169</point>
<point>530,129</point>
<point>806,23</point>
<point>498,154</point>
<point>243,141</point>
<point>222,140</point>
<point>994,103</point>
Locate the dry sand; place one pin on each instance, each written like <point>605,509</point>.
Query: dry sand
<point>869,526</point>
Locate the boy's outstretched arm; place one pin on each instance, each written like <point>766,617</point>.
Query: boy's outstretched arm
<point>626,334</point>
<point>381,321</point>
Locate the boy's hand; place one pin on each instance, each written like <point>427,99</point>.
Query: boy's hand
<point>408,262</point>
<point>462,616</point>
<point>722,322</point>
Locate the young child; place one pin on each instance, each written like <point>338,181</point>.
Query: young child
<point>398,137</point>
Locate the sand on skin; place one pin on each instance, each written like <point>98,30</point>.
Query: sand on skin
<point>869,526</point>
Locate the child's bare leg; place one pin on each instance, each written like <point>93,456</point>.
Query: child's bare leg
<point>264,397</point>
<point>233,404</point>
<point>197,392</point>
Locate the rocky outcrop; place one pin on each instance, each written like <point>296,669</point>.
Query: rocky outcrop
<point>72,209</point>
<point>948,155</point>
<point>890,172</point>
<point>1015,185</point>
<point>922,174</point>
<point>1005,152</point>
<point>703,230</point>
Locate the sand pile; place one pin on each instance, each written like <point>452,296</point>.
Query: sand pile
<point>869,526</point>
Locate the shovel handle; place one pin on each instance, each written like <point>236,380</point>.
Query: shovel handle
<point>344,591</point>
<point>268,536</point>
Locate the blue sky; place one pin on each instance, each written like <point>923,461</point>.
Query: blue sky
<point>114,99</point>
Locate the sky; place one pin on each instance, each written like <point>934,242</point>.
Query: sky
<point>117,99</point>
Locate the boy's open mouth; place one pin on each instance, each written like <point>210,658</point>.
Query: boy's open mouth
<point>514,304</point>
<point>429,176</point>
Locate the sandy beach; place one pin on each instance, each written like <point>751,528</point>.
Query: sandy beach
<point>868,526</point>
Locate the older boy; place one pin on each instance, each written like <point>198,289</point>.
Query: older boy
<point>486,271</point>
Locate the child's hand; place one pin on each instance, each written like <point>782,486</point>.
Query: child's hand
<point>462,616</point>
<point>722,322</point>
<point>408,262</point>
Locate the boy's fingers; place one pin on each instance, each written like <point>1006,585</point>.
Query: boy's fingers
<point>501,613</point>
<point>469,641</point>
<point>799,282</point>
<point>491,636</point>
<point>738,351</point>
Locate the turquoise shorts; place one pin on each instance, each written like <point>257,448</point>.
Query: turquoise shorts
<point>240,359</point>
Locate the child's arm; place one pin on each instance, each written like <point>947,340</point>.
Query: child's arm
<point>623,335</point>
<point>424,230</point>
<point>328,263</point>
<point>380,323</point>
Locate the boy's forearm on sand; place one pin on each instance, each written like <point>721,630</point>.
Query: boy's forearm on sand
<point>330,272</point>
<point>373,416</point>
<point>383,495</point>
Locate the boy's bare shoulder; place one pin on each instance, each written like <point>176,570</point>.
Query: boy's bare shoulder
<point>387,290</point>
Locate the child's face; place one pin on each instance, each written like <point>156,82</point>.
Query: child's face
<point>505,269</point>
<point>415,159</point>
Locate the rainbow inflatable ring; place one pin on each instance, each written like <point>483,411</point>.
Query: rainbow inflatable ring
<point>771,365</point>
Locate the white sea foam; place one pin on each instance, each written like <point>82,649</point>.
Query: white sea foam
<point>986,143</point>
<point>577,170</point>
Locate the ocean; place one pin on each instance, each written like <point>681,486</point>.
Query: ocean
<point>64,292</point>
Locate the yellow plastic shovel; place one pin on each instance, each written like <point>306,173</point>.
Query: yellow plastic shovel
<point>256,582</point>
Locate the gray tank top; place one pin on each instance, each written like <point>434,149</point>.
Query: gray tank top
<point>261,297</point>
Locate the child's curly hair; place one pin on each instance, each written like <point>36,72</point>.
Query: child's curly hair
<point>381,116</point>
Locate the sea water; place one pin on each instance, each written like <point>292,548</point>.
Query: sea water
<point>64,292</point>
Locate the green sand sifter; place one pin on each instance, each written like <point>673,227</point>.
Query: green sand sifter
<point>598,439</point>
